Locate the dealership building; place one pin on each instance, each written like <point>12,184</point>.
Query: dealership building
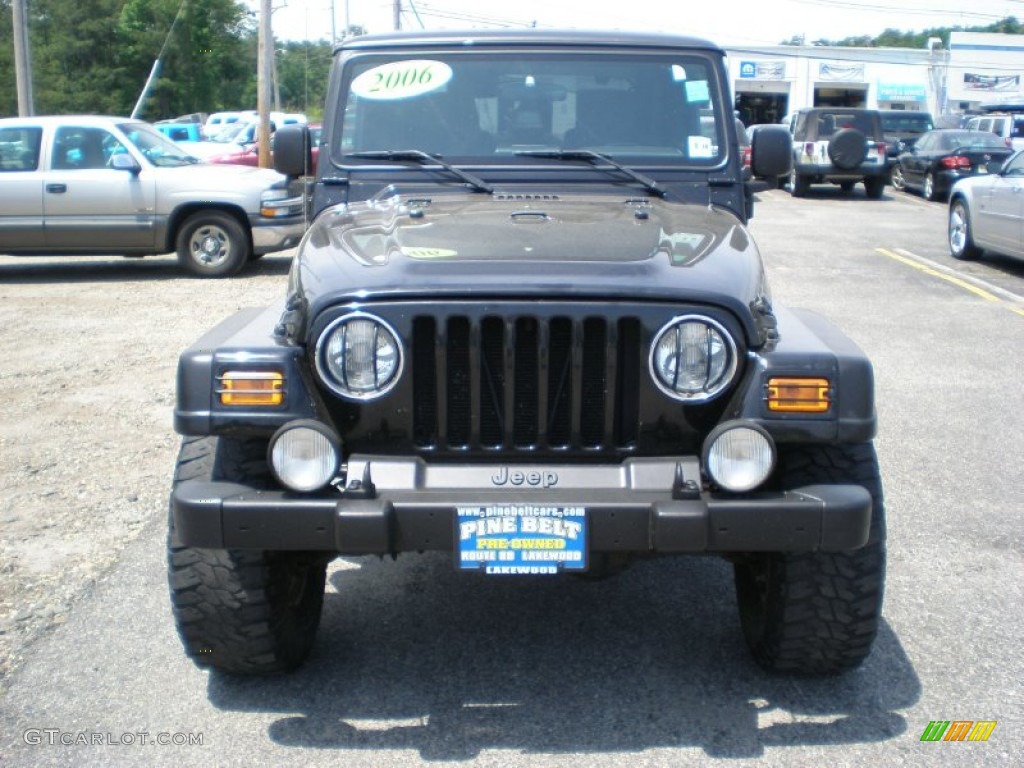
<point>975,70</point>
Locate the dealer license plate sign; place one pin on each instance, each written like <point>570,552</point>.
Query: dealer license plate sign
<point>523,539</point>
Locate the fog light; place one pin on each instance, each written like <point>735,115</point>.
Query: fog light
<point>739,456</point>
<point>305,455</point>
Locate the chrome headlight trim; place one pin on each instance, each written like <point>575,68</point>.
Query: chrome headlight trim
<point>339,385</point>
<point>716,381</point>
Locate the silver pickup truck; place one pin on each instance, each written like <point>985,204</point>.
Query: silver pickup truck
<point>80,185</point>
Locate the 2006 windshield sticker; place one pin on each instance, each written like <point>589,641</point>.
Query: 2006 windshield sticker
<point>523,539</point>
<point>401,80</point>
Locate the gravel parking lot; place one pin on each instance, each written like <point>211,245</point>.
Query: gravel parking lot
<point>86,392</point>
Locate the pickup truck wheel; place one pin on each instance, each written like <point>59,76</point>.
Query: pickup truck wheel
<point>817,613</point>
<point>248,612</point>
<point>212,244</point>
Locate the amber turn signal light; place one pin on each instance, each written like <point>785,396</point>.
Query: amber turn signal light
<point>798,395</point>
<point>251,388</point>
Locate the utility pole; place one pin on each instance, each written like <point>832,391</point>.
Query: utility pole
<point>264,70</point>
<point>397,7</point>
<point>22,60</point>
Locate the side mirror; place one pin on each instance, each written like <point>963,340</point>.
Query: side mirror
<point>771,151</point>
<point>125,162</point>
<point>293,151</point>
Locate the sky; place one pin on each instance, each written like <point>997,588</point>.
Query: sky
<point>743,22</point>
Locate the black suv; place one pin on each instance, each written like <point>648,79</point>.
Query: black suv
<point>901,129</point>
<point>527,326</point>
<point>841,146</point>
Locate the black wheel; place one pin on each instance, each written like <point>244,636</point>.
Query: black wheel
<point>248,612</point>
<point>961,240</point>
<point>847,149</point>
<point>928,190</point>
<point>874,187</point>
<point>212,244</point>
<point>898,182</point>
<point>798,185</point>
<point>817,613</point>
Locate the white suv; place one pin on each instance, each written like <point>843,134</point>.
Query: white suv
<point>1008,127</point>
<point>105,185</point>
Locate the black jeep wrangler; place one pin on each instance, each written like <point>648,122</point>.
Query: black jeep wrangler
<point>526,326</point>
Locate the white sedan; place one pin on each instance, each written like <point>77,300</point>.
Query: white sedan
<point>987,212</point>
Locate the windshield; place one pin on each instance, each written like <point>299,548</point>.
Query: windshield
<point>972,140</point>
<point>906,123</point>
<point>644,109</point>
<point>156,147</point>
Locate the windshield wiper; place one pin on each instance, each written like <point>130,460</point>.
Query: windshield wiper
<point>419,156</point>
<point>590,156</point>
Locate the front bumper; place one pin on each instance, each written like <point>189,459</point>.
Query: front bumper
<point>269,235</point>
<point>406,505</point>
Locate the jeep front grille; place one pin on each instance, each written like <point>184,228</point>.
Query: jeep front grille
<point>526,383</point>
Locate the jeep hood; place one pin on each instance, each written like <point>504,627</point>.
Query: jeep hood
<point>549,247</point>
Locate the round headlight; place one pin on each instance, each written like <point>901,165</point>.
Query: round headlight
<point>359,356</point>
<point>305,455</point>
<point>739,456</point>
<point>693,358</point>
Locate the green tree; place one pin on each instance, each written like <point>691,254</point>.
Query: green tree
<point>8,86</point>
<point>206,60</point>
<point>302,71</point>
<point>74,49</point>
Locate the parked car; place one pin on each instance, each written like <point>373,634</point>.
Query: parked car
<point>109,185</point>
<point>218,121</point>
<point>841,146</point>
<point>901,129</point>
<point>986,212</point>
<point>1007,126</point>
<point>942,157</point>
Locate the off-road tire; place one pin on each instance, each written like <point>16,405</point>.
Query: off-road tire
<point>847,149</point>
<point>874,187</point>
<point>247,612</point>
<point>961,239</point>
<point>798,184</point>
<point>817,613</point>
<point>212,243</point>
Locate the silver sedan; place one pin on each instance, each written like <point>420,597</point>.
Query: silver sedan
<point>987,212</point>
